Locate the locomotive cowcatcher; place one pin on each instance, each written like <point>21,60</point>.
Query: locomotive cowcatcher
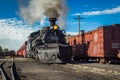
<point>49,45</point>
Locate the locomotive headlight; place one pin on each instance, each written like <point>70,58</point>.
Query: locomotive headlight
<point>55,27</point>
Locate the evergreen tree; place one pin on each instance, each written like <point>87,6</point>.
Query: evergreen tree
<point>0,48</point>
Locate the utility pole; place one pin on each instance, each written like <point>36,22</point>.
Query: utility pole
<point>79,18</point>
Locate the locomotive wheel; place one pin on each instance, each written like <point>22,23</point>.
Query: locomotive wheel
<point>54,57</point>
<point>39,56</point>
<point>46,56</point>
<point>36,54</point>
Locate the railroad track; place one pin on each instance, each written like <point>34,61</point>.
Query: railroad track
<point>8,69</point>
<point>30,69</point>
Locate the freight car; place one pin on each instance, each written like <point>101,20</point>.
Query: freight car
<point>47,45</point>
<point>8,53</point>
<point>22,51</point>
<point>102,44</point>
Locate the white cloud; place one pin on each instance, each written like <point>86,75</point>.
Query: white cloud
<point>13,33</point>
<point>106,11</point>
<point>71,33</point>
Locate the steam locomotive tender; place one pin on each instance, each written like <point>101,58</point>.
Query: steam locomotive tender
<point>49,45</point>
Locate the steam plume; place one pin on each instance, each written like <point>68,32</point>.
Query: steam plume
<point>35,10</point>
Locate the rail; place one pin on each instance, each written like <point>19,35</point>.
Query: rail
<point>14,74</point>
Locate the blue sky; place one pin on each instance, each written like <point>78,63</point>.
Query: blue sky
<point>10,9</point>
<point>96,13</point>
<point>94,20</point>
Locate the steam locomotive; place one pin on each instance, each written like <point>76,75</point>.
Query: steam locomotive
<point>48,45</point>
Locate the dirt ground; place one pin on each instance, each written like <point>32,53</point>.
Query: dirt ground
<point>30,69</point>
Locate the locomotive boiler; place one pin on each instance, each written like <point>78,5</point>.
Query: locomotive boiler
<point>49,44</point>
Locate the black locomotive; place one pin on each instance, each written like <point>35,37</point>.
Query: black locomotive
<point>49,44</point>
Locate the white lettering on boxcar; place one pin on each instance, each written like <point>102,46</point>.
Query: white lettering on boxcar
<point>95,37</point>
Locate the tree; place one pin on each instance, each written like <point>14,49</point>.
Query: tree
<point>0,48</point>
<point>6,49</point>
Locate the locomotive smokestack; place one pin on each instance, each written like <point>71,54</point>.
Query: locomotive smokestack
<point>52,21</point>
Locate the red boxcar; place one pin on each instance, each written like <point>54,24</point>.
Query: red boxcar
<point>22,50</point>
<point>102,43</point>
<point>19,52</point>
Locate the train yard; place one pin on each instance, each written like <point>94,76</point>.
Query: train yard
<point>51,49</point>
<point>46,55</point>
<point>84,56</point>
<point>96,44</point>
<point>30,69</point>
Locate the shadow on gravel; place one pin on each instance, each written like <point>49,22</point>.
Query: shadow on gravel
<point>81,62</point>
<point>91,62</point>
